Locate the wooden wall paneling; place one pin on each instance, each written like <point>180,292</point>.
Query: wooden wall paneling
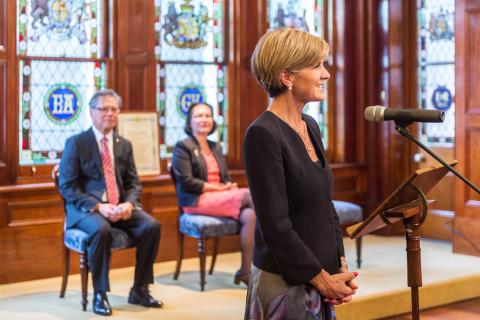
<point>3,120</point>
<point>466,237</point>
<point>31,224</point>
<point>35,217</point>
<point>335,36</point>
<point>3,25</point>
<point>374,38</point>
<point>472,168</point>
<point>134,51</point>
<point>359,101</point>
<point>393,150</point>
<point>8,82</point>
<point>349,84</point>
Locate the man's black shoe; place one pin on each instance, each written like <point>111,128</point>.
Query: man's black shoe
<point>141,296</point>
<point>100,304</point>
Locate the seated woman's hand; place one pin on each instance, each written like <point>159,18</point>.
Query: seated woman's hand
<point>335,287</point>
<point>219,186</point>
<point>231,185</point>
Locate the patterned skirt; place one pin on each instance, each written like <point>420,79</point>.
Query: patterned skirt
<point>271,298</point>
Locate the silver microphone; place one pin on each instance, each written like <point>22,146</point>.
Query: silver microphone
<point>381,113</point>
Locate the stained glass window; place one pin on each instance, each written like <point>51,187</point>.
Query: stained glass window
<point>59,49</point>
<point>306,15</point>
<point>54,105</point>
<point>191,66</point>
<point>59,28</point>
<point>436,68</point>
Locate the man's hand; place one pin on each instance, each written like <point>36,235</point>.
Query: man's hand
<point>109,211</point>
<point>125,210</point>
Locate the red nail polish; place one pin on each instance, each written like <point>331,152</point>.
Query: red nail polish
<point>355,273</point>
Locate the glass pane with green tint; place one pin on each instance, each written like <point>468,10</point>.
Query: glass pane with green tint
<point>436,69</point>
<point>53,98</point>
<point>180,85</point>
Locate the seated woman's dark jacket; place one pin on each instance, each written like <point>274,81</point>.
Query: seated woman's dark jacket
<point>190,170</point>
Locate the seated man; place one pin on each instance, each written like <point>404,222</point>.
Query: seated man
<point>99,182</point>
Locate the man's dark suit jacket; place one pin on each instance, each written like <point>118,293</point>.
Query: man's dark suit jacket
<point>190,170</point>
<point>81,179</point>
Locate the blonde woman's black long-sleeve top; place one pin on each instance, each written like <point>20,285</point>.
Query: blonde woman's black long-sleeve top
<point>297,233</point>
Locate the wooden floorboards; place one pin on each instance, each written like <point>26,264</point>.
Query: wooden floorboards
<point>467,310</point>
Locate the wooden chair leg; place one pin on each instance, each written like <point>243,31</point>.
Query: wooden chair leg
<point>216,242</point>
<point>66,270</point>
<point>181,243</point>
<point>84,279</point>
<point>202,254</point>
<point>358,243</point>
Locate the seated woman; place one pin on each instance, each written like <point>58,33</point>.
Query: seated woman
<point>204,186</point>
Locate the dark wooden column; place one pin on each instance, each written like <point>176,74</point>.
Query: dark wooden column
<point>133,46</point>
<point>397,61</point>
<point>247,100</point>
<point>8,118</point>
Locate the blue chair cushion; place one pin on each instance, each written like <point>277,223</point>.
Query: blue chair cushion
<point>77,240</point>
<point>348,213</point>
<point>202,226</point>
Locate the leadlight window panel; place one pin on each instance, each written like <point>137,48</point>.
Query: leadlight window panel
<point>191,66</point>
<point>306,15</point>
<point>60,28</point>
<point>299,14</point>
<point>436,69</point>
<point>180,85</point>
<point>190,30</point>
<point>53,98</point>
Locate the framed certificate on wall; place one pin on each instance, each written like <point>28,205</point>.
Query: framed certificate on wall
<point>141,129</point>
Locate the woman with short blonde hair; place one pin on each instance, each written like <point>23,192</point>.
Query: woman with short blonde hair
<point>285,49</point>
<point>299,270</point>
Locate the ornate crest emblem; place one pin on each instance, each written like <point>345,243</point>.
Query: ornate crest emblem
<point>442,98</point>
<point>441,26</point>
<point>187,29</point>
<point>290,18</point>
<point>62,103</point>
<point>59,19</point>
<point>189,95</point>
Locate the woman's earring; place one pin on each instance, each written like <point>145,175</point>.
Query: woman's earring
<point>290,88</point>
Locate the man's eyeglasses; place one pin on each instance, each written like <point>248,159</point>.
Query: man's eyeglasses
<point>107,109</point>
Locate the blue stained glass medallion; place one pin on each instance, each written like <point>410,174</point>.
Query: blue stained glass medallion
<point>51,99</point>
<point>179,86</point>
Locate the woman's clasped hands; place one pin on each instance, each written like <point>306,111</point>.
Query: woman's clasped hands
<point>337,288</point>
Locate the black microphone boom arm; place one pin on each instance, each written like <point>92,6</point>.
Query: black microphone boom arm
<point>402,129</point>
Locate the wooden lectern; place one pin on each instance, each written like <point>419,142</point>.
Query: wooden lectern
<point>409,205</point>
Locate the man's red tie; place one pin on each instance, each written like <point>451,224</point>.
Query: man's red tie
<point>110,181</point>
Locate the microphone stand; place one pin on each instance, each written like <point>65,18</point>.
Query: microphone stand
<point>401,127</point>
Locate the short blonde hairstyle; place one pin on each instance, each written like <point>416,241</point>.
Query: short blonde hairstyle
<point>285,49</point>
